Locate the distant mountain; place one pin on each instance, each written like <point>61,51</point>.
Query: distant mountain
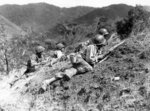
<point>41,16</point>
<point>10,29</point>
<point>111,12</point>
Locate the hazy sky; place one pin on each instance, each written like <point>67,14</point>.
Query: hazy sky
<point>71,3</point>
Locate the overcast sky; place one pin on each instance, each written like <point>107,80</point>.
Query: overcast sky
<point>71,3</point>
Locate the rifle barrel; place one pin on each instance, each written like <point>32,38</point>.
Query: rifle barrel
<point>110,50</point>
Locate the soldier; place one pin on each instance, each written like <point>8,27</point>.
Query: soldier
<point>94,49</point>
<point>31,65</point>
<point>58,54</point>
<point>35,60</point>
<point>39,53</point>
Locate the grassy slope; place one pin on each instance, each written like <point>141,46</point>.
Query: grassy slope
<point>10,28</point>
<point>93,91</point>
<point>96,91</point>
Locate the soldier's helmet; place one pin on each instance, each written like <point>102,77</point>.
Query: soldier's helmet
<point>39,49</point>
<point>103,31</point>
<point>99,40</point>
<point>60,46</point>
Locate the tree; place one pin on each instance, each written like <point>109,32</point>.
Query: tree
<point>4,49</point>
<point>13,50</point>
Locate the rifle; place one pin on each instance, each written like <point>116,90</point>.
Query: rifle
<point>105,56</point>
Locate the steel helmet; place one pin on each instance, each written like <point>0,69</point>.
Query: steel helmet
<point>60,46</point>
<point>39,49</point>
<point>103,31</point>
<point>99,39</point>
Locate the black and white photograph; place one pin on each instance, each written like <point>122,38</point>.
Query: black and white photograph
<point>75,55</point>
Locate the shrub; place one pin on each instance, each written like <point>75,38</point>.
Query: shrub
<point>135,22</point>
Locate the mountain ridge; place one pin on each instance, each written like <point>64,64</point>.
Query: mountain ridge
<point>42,16</point>
<point>112,12</point>
<point>39,15</point>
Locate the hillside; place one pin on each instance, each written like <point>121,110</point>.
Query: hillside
<point>10,28</point>
<point>118,82</point>
<point>40,16</point>
<point>92,91</point>
<point>111,12</point>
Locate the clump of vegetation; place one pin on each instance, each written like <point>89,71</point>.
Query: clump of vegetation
<point>136,21</point>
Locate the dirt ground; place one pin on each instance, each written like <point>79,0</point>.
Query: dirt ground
<point>93,91</point>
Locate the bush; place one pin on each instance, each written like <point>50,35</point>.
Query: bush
<point>140,18</point>
<point>135,22</point>
<point>124,27</point>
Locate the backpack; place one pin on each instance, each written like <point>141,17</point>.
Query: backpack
<point>58,54</point>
